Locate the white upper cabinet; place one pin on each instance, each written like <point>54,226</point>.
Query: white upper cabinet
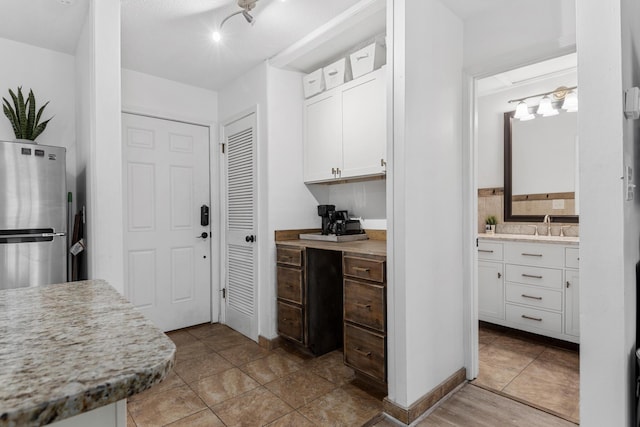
<point>345,130</point>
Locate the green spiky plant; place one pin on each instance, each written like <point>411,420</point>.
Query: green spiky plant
<point>22,115</point>
<point>491,220</point>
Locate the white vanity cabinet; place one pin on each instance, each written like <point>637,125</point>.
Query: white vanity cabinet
<point>541,287</point>
<point>345,130</point>
<point>490,282</point>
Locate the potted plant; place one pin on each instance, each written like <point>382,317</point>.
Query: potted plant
<point>490,224</point>
<point>23,117</point>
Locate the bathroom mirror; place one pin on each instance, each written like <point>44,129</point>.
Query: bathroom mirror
<point>541,168</point>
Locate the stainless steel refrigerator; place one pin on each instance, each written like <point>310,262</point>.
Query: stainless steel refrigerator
<point>33,215</point>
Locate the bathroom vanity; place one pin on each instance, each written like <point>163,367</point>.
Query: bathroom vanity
<point>530,283</point>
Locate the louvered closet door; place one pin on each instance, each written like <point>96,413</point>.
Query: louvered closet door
<point>241,249</point>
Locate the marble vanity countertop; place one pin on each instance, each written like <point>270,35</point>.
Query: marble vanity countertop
<point>73,347</point>
<point>531,238</point>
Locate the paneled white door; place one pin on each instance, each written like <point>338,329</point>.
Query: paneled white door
<point>167,247</point>
<point>239,137</point>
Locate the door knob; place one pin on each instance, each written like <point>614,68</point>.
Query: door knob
<point>204,235</point>
<point>251,238</point>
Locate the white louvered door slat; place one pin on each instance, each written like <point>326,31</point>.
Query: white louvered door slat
<point>240,141</point>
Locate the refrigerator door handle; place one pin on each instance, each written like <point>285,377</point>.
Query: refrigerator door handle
<point>53,234</point>
<point>14,236</point>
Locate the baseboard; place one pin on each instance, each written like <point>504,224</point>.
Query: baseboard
<point>422,405</point>
<point>269,344</point>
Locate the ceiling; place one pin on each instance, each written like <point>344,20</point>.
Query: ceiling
<point>172,38</point>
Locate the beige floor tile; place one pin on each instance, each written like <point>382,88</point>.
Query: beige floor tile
<point>206,329</point>
<point>225,339</point>
<point>223,385</point>
<point>254,408</point>
<point>130,422</point>
<point>293,419</point>
<point>345,406</point>
<point>270,368</point>
<point>165,407</point>
<point>487,336</point>
<point>498,357</point>
<point>195,349</point>
<point>204,418</point>
<point>331,367</point>
<point>181,337</point>
<point>300,388</point>
<point>557,356</point>
<point>191,370</point>
<point>171,381</point>
<point>292,353</point>
<point>244,353</point>
<point>495,377</point>
<point>519,346</point>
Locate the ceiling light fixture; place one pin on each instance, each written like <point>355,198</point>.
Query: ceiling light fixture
<point>548,103</point>
<point>246,6</point>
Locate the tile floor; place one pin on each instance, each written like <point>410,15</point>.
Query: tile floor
<point>540,375</point>
<point>221,378</point>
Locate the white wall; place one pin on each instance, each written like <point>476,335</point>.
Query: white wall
<point>147,94</point>
<point>426,278</point>
<point>519,30</point>
<point>50,75</point>
<point>491,109</point>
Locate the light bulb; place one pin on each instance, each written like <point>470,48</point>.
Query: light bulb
<point>522,112</point>
<point>216,36</point>
<point>545,109</point>
<point>570,103</point>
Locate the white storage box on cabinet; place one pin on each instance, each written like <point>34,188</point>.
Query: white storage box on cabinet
<point>336,74</point>
<point>367,59</point>
<point>313,83</point>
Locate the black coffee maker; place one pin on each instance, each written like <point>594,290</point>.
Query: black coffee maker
<point>327,213</point>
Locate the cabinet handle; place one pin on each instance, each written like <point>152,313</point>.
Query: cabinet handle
<point>363,56</point>
<point>332,72</point>
<point>568,284</point>
<point>363,269</point>
<point>526,254</point>
<point>499,275</point>
<point>312,81</point>
<point>363,305</point>
<point>531,276</point>
<point>530,297</point>
<point>333,172</point>
<point>485,251</point>
<point>537,319</point>
<point>363,353</point>
<point>338,172</point>
<point>284,319</point>
<point>383,163</point>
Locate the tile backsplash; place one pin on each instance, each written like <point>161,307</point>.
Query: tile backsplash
<point>491,202</point>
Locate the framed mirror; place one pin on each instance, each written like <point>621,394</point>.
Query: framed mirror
<point>541,168</point>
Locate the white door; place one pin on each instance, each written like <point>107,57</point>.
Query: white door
<point>239,137</point>
<point>490,290</point>
<point>323,137</point>
<point>167,249</point>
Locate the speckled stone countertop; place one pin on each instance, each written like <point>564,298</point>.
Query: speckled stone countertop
<point>73,347</point>
<point>565,240</point>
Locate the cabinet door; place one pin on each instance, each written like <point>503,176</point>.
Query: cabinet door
<point>572,303</point>
<point>490,290</point>
<point>364,127</point>
<point>322,136</point>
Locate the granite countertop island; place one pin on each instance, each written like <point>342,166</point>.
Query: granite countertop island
<point>70,348</point>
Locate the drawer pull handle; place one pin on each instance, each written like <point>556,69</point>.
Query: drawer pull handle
<point>526,254</point>
<point>285,319</point>
<point>363,269</point>
<point>485,250</point>
<point>530,297</point>
<point>363,353</point>
<point>363,305</point>
<point>532,276</point>
<point>284,257</point>
<point>289,286</point>
<point>362,56</point>
<point>537,319</point>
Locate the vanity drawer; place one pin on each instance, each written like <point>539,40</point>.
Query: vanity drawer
<point>534,296</point>
<point>489,251</point>
<point>364,268</point>
<point>365,351</point>
<point>572,257</point>
<point>532,319</point>
<point>290,282</point>
<point>534,254</point>
<point>364,303</point>
<point>538,276</point>
<point>290,321</point>
<point>289,256</point>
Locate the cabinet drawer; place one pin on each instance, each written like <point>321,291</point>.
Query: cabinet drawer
<point>548,277</point>
<point>364,268</point>
<point>534,296</point>
<point>572,257</point>
<point>289,256</point>
<point>365,351</point>
<point>364,303</point>
<point>290,321</point>
<point>489,251</point>
<point>532,319</point>
<point>290,284</point>
<point>534,254</point>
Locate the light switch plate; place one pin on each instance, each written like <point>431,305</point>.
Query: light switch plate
<point>628,176</point>
<point>632,103</point>
<point>557,204</point>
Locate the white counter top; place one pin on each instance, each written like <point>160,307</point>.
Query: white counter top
<point>529,238</point>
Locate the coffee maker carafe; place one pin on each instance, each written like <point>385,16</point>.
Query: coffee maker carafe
<point>326,212</point>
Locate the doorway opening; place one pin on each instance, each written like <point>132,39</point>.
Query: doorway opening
<point>527,193</point>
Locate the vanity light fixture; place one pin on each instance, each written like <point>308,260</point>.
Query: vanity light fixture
<point>546,106</point>
<point>246,6</point>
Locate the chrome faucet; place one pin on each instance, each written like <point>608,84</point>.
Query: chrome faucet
<point>547,220</point>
